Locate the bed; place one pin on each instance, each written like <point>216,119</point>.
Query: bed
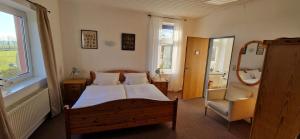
<point>121,106</point>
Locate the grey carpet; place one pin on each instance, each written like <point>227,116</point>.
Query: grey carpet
<point>191,124</point>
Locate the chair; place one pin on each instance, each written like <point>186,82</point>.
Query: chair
<point>235,103</point>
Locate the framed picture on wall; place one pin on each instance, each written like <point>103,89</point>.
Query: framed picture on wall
<point>89,39</point>
<point>128,41</point>
<point>260,49</point>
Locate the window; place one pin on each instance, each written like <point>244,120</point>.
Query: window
<point>166,44</point>
<point>14,60</point>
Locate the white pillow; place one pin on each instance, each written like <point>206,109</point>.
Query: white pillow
<point>135,78</point>
<point>256,73</point>
<point>253,74</point>
<point>244,75</point>
<point>107,78</point>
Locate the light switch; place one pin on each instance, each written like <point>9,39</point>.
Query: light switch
<point>109,43</point>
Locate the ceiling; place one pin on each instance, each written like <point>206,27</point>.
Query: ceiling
<point>172,8</point>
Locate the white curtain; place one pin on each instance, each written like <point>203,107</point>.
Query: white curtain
<point>153,43</point>
<point>49,59</point>
<point>175,78</point>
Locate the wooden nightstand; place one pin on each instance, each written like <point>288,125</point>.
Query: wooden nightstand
<point>72,90</point>
<point>161,84</point>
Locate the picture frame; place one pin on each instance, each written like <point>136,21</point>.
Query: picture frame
<point>128,41</point>
<point>260,49</point>
<point>89,39</point>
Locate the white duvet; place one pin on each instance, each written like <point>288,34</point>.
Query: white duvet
<point>95,94</point>
<point>147,91</point>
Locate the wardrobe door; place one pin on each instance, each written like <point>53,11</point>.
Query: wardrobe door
<point>277,114</point>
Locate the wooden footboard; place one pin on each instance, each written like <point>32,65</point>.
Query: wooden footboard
<point>119,114</point>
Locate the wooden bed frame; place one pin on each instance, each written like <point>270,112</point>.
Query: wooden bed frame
<point>118,114</point>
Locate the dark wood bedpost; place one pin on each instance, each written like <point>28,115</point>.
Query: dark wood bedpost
<point>92,78</point>
<point>67,121</point>
<point>175,114</point>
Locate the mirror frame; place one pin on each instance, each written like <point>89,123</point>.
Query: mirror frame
<point>239,63</point>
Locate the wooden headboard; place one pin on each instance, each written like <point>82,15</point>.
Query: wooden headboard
<point>122,77</point>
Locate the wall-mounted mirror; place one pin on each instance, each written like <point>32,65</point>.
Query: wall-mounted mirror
<point>250,63</point>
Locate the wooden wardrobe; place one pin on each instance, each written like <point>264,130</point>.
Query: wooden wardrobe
<point>277,114</point>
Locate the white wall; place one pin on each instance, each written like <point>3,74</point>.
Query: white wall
<point>251,60</point>
<point>110,23</point>
<point>256,20</point>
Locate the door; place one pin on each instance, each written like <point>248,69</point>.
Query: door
<point>195,66</point>
<point>218,63</point>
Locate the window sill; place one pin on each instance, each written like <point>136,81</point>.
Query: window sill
<point>167,73</point>
<point>19,87</point>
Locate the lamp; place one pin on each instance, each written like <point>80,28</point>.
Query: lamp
<point>157,71</point>
<point>75,72</point>
<point>4,85</point>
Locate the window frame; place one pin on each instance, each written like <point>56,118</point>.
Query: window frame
<point>26,42</point>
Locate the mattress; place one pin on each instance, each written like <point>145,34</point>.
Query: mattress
<point>95,94</point>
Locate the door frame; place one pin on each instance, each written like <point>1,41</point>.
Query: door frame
<point>207,62</point>
<point>203,95</point>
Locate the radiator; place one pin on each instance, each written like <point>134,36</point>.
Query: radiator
<point>26,117</point>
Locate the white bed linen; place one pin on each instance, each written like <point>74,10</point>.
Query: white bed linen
<point>147,91</point>
<point>95,94</point>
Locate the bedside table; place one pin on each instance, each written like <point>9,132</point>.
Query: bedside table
<point>72,90</point>
<point>161,84</point>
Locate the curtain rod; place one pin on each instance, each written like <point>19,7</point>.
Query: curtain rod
<point>166,17</point>
<point>36,3</point>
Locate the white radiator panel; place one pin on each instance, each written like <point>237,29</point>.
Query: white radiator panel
<point>26,117</point>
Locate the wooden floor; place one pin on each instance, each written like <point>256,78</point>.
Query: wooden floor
<point>191,124</point>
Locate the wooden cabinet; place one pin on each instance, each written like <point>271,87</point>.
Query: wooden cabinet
<point>161,84</point>
<point>277,114</point>
<point>72,90</point>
